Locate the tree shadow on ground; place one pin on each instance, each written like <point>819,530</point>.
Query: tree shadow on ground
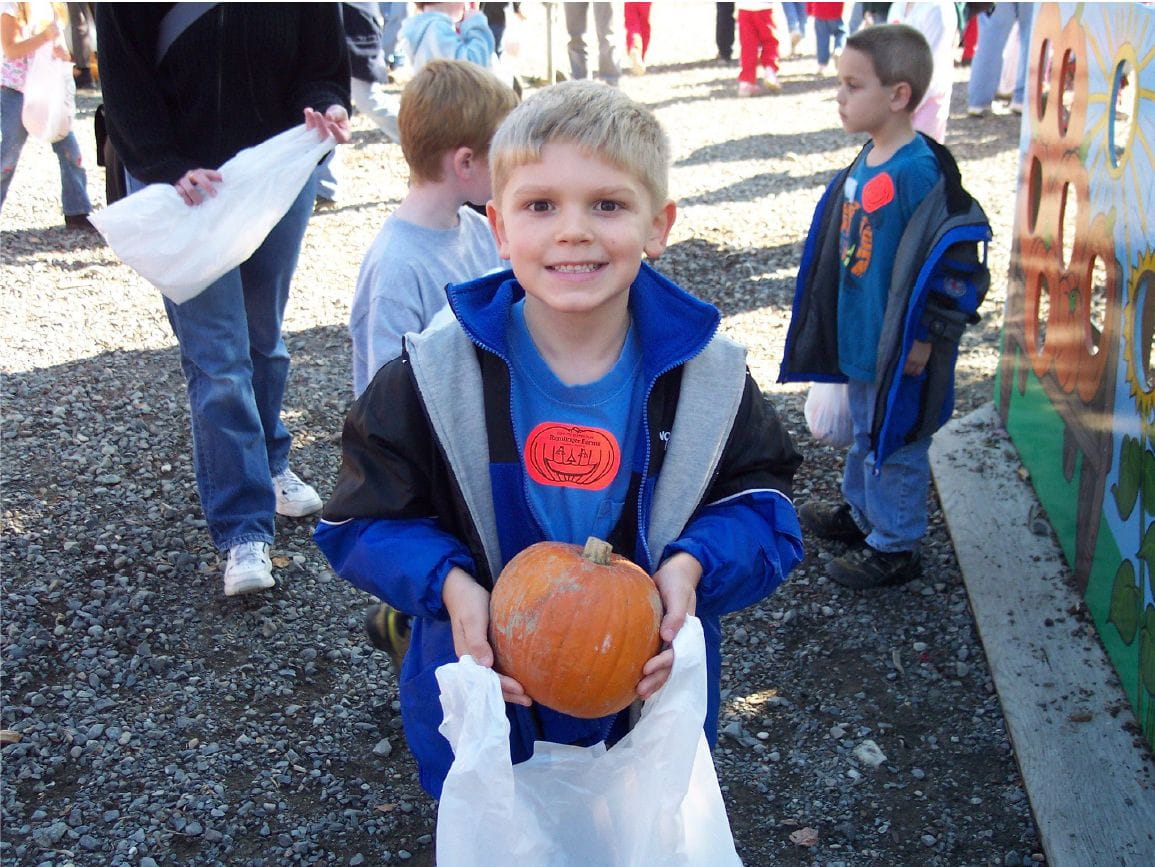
<point>734,280</point>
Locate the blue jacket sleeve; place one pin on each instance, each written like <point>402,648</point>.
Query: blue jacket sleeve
<point>403,562</point>
<point>747,545</point>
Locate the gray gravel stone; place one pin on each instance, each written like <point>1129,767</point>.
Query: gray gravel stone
<point>163,723</point>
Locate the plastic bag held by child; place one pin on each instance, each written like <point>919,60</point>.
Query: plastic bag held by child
<point>181,249</point>
<point>49,96</point>
<point>652,798</point>
<point>827,412</point>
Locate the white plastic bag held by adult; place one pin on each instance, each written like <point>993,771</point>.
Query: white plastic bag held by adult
<point>651,799</point>
<point>181,249</point>
<point>827,412</point>
<point>49,96</point>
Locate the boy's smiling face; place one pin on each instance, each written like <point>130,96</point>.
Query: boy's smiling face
<point>574,229</point>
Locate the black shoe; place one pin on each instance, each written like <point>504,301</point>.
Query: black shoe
<point>865,568</point>
<point>830,522</point>
<point>78,223</point>
<point>388,630</point>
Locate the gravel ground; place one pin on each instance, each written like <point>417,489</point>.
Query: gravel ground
<point>160,723</point>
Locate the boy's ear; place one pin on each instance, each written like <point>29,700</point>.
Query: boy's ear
<point>900,97</point>
<point>660,230</point>
<point>463,161</point>
<point>497,226</point>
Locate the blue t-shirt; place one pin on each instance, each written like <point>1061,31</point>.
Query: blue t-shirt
<point>877,204</point>
<point>576,441</point>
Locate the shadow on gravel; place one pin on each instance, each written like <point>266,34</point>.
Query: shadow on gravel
<point>754,187</point>
<point>20,244</point>
<point>768,145</point>
<point>734,280</point>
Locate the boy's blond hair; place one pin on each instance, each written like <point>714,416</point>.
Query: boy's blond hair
<point>899,54</point>
<point>600,120</point>
<point>449,104</point>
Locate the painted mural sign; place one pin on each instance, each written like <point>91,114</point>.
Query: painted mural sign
<point>1076,387</point>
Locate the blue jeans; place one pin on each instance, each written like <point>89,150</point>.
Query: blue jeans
<point>394,15</point>
<point>826,31</point>
<point>236,364</point>
<point>73,179</point>
<point>888,502</point>
<point>986,68</point>
<point>609,68</point>
<point>795,17</point>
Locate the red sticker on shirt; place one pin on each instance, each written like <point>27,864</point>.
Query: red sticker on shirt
<point>567,456</point>
<point>878,191</point>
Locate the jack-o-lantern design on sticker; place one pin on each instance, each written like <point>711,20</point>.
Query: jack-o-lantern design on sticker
<point>857,241</point>
<point>568,456</point>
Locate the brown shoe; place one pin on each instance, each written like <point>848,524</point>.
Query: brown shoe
<point>866,568</point>
<point>830,522</point>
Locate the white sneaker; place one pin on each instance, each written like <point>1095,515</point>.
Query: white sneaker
<point>745,88</point>
<point>770,79</point>
<point>248,569</point>
<point>295,499</point>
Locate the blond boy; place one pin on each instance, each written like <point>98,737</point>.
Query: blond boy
<point>443,481</point>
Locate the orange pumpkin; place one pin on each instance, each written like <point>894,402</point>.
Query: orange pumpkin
<point>575,626</point>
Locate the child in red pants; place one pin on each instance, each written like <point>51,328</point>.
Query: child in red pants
<point>637,35</point>
<point>759,48</point>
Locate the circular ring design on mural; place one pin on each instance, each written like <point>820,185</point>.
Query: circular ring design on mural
<point>1138,333</point>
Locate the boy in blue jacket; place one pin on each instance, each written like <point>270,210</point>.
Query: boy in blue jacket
<point>443,478</point>
<point>889,278</point>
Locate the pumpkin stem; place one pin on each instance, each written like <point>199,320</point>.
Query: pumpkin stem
<point>597,551</point>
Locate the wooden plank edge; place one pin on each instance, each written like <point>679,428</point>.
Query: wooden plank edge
<point>1091,783</point>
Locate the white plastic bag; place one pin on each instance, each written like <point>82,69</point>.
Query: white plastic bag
<point>49,96</point>
<point>827,412</point>
<point>652,799</point>
<point>181,249</point>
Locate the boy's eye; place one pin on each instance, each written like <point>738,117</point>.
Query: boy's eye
<point>608,206</point>
<point>538,205</point>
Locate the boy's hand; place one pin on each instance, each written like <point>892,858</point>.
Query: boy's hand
<point>917,358</point>
<point>468,605</point>
<point>677,582</point>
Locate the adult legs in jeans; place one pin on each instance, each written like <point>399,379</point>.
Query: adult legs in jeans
<point>73,178</point>
<point>988,60</point>
<point>394,15</point>
<point>888,502</point>
<point>823,33</point>
<point>609,64</point>
<point>236,365</point>
<point>575,25</point>
<point>609,69</point>
<point>795,17</point>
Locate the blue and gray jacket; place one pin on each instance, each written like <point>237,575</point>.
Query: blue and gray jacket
<point>939,279</point>
<point>432,478</point>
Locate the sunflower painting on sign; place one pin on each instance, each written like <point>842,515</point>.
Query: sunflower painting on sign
<point>1076,386</point>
